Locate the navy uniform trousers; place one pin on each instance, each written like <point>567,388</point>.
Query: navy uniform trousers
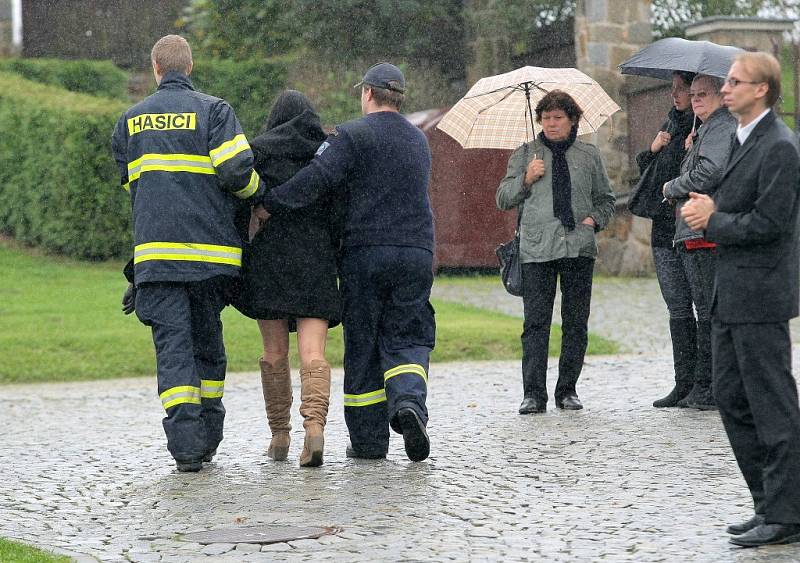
<point>190,357</point>
<point>389,332</point>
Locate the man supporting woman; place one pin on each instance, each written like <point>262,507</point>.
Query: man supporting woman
<point>289,280</point>
<point>561,186</point>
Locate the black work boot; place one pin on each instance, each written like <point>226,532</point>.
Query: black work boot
<point>189,466</point>
<point>701,396</point>
<point>683,333</point>
<point>415,437</point>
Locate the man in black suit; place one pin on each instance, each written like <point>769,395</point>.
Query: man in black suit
<point>753,219</point>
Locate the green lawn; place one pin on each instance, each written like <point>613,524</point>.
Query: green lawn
<point>60,320</point>
<point>13,552</point>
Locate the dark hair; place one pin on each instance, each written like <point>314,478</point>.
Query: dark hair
<point>558,99</point>
<point>386,97</point>
<point>685,76</point>
<point>288,105</point>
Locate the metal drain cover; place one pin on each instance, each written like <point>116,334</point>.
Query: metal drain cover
<point>259,534</point>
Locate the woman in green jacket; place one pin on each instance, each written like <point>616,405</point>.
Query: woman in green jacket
<point>562,187</point>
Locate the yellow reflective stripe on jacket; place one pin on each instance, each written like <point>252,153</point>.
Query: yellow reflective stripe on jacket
<point>179,395</point>
<point>194,163</point>
<point>406,368</point>
<point>229,149</point>
<point>126,186</point>
<point>250,188</point>
<point>365,399</point>
<point>187,251</point>
<point>211,388</point>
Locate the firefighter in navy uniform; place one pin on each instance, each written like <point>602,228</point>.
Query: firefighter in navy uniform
<point>184,160</point>
<point>380,165</point>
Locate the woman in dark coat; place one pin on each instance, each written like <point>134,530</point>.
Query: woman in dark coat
<point>658,165</point>
<point>289,280</point>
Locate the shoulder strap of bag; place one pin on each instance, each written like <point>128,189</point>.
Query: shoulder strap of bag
<point>521,205</point>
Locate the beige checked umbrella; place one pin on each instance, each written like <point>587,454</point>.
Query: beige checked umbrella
<point>497,111</point>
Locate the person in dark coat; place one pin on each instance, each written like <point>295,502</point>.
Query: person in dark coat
<point>701,172</point>
<point>289,275</point>
<point>753,218</point>
<point>658,165</point>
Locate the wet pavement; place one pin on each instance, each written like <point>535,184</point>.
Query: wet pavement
<point>629,311</point>
<point>85,469</point>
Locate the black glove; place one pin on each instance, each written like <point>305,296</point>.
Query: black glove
<point>129,300</point>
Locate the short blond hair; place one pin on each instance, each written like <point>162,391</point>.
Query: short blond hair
<point>172,52</point>
<point>763,67</point>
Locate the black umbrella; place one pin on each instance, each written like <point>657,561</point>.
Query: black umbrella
<point>662,58</point>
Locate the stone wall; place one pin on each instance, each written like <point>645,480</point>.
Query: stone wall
<point>606,33</point>
<point>752,34</point>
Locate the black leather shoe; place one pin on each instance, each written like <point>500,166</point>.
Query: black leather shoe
<point>569,402</point>
<point>360,453</point>
<point>209,456</point>
<point>415,437</point>
<point>530,405</point>
<point>768,534</point>
<point>189,466</point>
<point>739,529</point>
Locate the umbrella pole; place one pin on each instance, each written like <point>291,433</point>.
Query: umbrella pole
<point>530,111</point>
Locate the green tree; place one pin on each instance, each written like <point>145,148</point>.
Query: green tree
<point>242,29</point>
<point>417,31</point>
<point>670,17</point>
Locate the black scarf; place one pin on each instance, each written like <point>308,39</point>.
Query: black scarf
<point>562,183</point>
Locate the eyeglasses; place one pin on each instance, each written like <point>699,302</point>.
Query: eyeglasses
<point>697,95</point>
<point>734,82</point>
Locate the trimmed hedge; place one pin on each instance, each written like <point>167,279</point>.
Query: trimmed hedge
<point>99,78</point>
<point>59,185</point>
<point>248,86</point>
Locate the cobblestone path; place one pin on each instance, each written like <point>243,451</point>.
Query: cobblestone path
<point>84,468</point>
<point>629,311</point>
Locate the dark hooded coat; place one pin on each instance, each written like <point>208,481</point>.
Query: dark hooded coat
<point>289,268</point>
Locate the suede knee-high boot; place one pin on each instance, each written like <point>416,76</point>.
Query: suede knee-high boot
<point>315,392</point>
<point>276,384</point>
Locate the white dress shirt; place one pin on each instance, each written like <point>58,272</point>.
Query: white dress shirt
<point>743,132</point>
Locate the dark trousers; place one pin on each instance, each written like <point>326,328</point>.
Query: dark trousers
<point>686,280</point>
<point>190,357</point>
<point>757,398</point>
<point>389,332</point>
<point>539,292</point>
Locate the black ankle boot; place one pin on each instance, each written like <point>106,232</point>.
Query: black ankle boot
<point>683,333</point>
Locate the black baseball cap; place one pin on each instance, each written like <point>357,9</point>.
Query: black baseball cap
<point>384,75</point>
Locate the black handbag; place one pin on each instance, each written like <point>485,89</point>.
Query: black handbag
<point>510,265</point>
<point>645,200</point>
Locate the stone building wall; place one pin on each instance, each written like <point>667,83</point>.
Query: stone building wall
<point>606,33</point>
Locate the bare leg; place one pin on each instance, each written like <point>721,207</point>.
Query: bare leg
<point>312,334</point>
<point>275,335</point>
